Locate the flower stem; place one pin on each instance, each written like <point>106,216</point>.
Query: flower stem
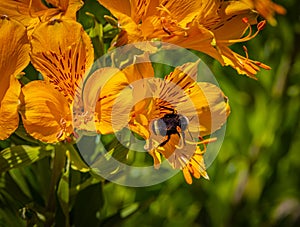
<point>58,164</point>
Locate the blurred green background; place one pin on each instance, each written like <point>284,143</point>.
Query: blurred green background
<point>254,181</point>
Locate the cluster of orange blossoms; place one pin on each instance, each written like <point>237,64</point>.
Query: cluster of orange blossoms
<point>49,37</point>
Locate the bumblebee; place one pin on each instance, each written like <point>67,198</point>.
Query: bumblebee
<point>169,124</point>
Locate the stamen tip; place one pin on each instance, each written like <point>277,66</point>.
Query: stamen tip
<point>261,25</point>
<point>245,20</point>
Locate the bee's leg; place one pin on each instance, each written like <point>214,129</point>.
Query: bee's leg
<point>166,140</point>
<point>147,145</point>
<point>182,138</point>
<point>182,141</point>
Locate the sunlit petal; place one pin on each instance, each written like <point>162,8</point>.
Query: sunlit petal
<point>141,115</point>
<point>195,167</point>
<point>243,65</point>
<point>231,24</point>
<point>9,118</point>
<point>205,26</point>
<point>45,112</point>
<point>32,12</point>
<point>266,8</point>
<point>63,59</point>
<point>106,93</point>
<point>25,11</point>
<point>109,93</point>
<point>116,6</point>
<point>180,9</point>
<point>213,116</point>
<point>14,52</point>
<point>68,7</point>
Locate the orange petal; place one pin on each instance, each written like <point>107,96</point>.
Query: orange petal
<point>184,76</point>
<point>243,65</point>
<point>45,112</point>
<point>139,9</point>
<point>107,94</point>
<point>62,59</point>
<point>180,9</point>
<point>152,8</point>
<point>188,40</point>
<point>114,108</point>
<point>231,25</point>
<point>204,100</point>
<point>266,8</point>
<point>69,7</point>
<point>22,10</point>
<point>142,113</point>
<point>156,158</point>
<point>187,175</point>
<point>214,113</point>
<point>195,167</point>
<point>32,12</point>
<point>131,32</point>
<point>116,7</point>
<point>9,117</point>
<point>140,125</point>
<point>176,151</point>
<point>140,68</point>
<point>14,52</point>
<point>135,9</point>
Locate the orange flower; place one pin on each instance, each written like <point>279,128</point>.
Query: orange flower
<point>108,96</point>
<point>170,114</point>
<point>54,108</point>
<point>63,60</point>
<point>32,12</point>
<point>206,26</point>
<point>14,51</point>
<point>266,8</point>
<point>176,113</point>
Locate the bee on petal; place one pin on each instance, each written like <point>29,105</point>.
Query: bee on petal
<point>175,118</point>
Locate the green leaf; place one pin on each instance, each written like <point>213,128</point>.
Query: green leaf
<point>19,179</point>
<point>22,155</point>
<point>76,161</point>
<point>63,190</point>
<point>89,202</point>
<point>79,187</point>
<point>114,151</point>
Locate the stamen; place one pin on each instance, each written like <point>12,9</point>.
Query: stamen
<point>63,125</point>
<point>182,142</point>
<point>163,9</point>
<point>206,141</point>
<point>246,52</point>
<point>245,20</point>
<point>60,134</point>
<point>249,36</point>
<point>261,25</point>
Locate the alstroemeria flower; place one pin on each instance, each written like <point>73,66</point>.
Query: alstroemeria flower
<point>206,26</point>
<point>32,12</point>
<point>63,60</point>
<point>107,96</point>
<point>176,113</point>
<point>266,8</point>
<point>14,52</point>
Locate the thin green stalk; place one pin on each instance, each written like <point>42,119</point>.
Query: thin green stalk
<point>58,164</point>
